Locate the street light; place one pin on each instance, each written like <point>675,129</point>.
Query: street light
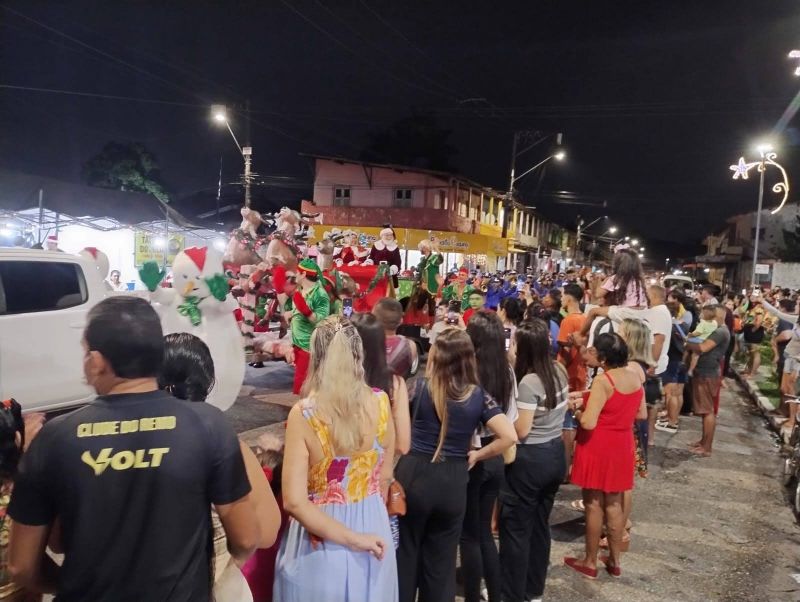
<point>742,170</point>
<point>559,154</point>
<point>612,230</point>
<point>219,113</point>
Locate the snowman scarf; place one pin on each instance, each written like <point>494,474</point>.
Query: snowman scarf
<point>190,309</point>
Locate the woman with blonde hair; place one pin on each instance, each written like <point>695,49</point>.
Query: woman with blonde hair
<point>448,405</point>
<point>336,473</point>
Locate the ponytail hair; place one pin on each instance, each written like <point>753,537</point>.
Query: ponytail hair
<point>188,369</point>
<point>336,382</point>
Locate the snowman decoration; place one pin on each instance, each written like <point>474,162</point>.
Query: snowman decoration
<point>199,303</point>
<point>100,261</point>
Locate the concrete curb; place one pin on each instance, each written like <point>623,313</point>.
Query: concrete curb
<point>761,402</point>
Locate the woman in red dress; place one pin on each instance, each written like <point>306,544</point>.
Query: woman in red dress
<point>604,452</point>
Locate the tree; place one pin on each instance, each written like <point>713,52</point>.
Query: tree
<point>416,141</point>
<point>126,166</point>
<point>790,251</point>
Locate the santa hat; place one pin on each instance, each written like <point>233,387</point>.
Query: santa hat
<point>463,270</point>
<point>197,255</point>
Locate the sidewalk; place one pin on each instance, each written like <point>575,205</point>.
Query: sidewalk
<point>764,392</point>
<point>714,528</point>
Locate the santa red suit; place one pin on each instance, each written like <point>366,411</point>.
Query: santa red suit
<point>386,250</point>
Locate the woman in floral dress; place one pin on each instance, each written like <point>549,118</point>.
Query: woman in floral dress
<point>337,469</point>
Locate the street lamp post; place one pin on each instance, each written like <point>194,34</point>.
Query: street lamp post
<point>741,170</point>
<point>220,115</point>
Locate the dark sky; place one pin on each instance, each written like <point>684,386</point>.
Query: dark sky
<point>655,99</point>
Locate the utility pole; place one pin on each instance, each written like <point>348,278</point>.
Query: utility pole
<point>756,238</point>
<point>577,240</point>
<point>247,153</point>
<point>510,194</point>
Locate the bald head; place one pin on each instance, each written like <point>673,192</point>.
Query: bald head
<point>657,294</point>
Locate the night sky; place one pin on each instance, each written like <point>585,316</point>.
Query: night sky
<point>655,99</point>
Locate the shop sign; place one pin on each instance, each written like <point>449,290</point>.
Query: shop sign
<point>150,247</point>
<point>409,238</point>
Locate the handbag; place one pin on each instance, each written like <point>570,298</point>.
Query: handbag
<point>396,500</point>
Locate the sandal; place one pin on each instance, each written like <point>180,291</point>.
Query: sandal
<point>577,505</point>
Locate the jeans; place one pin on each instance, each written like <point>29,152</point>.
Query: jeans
<point>526,498</point>
<point>479,555</point>
<point>436,498</point>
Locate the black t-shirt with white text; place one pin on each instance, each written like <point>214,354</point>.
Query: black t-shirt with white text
<point>132,479</point>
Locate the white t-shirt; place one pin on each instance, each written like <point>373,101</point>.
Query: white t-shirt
<point>659,321</point>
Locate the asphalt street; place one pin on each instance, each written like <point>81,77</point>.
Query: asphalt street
<point>715,528</point>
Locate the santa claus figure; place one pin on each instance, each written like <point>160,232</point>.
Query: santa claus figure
<point>351,253</point>
<point>385,250</point>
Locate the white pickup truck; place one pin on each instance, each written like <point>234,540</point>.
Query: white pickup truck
<point>44,301</point>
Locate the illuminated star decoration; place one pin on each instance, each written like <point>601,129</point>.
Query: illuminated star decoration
<point>795,54</point>
<point>741,169</point>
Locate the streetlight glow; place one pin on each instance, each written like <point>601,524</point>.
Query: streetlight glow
<point>560,155</point>
<point>641,255</point>
<point>641,248</point>
<point>613,229</point>
<point>763,148</point>
<point>635,242</point>
<point>219,113</point>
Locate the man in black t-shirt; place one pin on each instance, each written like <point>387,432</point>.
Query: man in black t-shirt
<point>130,478</point>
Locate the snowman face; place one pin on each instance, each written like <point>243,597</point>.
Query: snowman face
<point>187,278</point>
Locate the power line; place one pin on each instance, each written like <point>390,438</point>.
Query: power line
<point>103,96</point>
<point>110,57</point>
<point>408,67</point>
<point>355,53</point>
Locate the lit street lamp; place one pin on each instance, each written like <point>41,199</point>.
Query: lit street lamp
<point>219,114</point>
<point>742,169</point>
<point>559,154</point>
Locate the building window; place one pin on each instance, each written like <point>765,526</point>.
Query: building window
<point>341,197</point>
<point>402,198</point>
<point>440,200</point>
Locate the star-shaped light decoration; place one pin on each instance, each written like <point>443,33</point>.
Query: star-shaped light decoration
<point>741,169</point>
<point>795,54</point>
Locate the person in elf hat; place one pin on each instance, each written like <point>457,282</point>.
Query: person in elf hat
<point>385,250</point>
<point>429,277</point>
<point>459,290</point>
<point>307,305</point>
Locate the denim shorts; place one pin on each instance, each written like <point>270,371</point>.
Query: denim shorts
<point>570,424</point>
<point>675,373</point>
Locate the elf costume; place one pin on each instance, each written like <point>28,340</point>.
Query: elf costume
<point>459,290</point>
<point>308,308</point>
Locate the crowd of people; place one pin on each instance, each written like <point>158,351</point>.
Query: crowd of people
<point>389,473</point>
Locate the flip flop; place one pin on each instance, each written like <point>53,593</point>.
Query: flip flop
<point>577,505</point>
<point>584,571</point>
